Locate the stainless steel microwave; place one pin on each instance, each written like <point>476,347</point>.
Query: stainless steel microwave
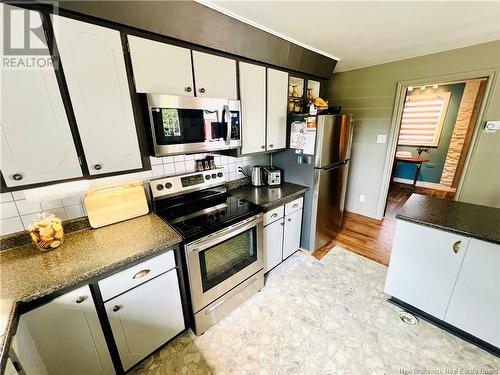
<point>181,125</point>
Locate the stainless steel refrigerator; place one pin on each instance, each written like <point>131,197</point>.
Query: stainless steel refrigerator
<point>325,173</point>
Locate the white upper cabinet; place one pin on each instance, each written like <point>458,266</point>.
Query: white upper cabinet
<point>475,303</point>
<point>277,98</point>
<point>94,67</point>
<point>63,336</point>
<point>253,108</point>
<point>424,266</point>
<point>215,76</point>
<point>160,68</point>
<point>36,141</point>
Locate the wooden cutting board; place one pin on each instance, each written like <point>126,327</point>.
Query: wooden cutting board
<point>115,203</point>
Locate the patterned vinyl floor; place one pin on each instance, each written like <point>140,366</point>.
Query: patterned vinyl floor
<point>320,317</point>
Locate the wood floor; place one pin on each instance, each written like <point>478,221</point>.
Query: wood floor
<point>373,238</point>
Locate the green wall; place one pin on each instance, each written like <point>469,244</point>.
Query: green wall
<point>432,171</point>
<point>369,94</point>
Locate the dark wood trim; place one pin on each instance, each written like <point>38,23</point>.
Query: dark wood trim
<point>63,89</point>
<point>447,327</point>
<point>106,327</point>
<point>139,119</point>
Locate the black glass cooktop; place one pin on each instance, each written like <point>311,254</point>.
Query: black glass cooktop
<point>199,214</point>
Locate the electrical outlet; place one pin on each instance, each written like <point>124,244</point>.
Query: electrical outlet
<point>362,197</point>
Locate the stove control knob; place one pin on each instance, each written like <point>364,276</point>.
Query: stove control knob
<point>207,177</point>
<point>220,174</point>
<point>214,175</point>
<point>168,185</point>
<point>159,187</point>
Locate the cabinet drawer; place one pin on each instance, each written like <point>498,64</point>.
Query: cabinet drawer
<point>273,215</point>
<point>294,205</point>
<point>136,275</point>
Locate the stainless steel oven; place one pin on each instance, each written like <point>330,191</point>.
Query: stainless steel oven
<point>223,268</point>
<point>182,125</point>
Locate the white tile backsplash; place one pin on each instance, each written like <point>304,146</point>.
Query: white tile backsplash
<point>8,210</point>
<point>69,201</point>
<point>25,207</point>
<point>18,195</point>
<point>157,170</point>
<point>11,225</point>
<point>28,219</point>
<point>6,197</point>
<point>75,211</point>
<point>49,205</point>
<point>169,169</point>
<point>17,213</point>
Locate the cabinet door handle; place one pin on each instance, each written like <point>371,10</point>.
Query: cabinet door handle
<point>271,145</point>
<point>295,205</point>
<point>263,147</point>
<point>140,274</point>
<point>289,219</point>
<point>116,308</point>
<point>456,246</point>
<point>17,177</point>
<point>202,90</point>
<point>188,89</point>
<point>274,215</point>
<point>80,299</point>
<point>98,167</point>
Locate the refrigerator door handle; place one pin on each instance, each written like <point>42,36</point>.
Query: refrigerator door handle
<point>333,166</point>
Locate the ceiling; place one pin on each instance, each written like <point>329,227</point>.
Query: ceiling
<point>368,33</point>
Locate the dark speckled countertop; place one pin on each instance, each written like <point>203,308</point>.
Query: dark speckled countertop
<point>27,274</point>
<point>468,219</point>
<point>269,196</point>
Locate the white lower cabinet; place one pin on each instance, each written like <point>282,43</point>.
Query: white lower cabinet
<point>291,242</point>
<point>282,233</point>
<point>424,266</point>
<point>273,244</point>
<point>63,337</point>
<point>146,317</point>
<point>475,304</point>
<point>451,277</point>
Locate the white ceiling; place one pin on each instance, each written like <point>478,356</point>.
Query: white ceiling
<point>368,33</point>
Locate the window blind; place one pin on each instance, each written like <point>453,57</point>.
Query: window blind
<point>422,119</point>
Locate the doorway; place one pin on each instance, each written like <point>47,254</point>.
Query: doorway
<point>435,128</point>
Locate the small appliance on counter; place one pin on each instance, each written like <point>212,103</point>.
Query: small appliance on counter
<point>258,176</point>
<point>272,175</point>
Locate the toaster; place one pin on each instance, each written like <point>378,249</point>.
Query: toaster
<point>272,176</point>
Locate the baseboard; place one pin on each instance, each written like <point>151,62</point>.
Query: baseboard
<point>362,213</point>
<point>424,184</point>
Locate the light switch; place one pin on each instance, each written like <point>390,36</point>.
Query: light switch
<point>492,126</point>
<point>381,138</point>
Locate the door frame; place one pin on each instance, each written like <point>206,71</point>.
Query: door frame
<point>402,86</point>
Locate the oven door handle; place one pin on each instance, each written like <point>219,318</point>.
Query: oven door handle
<point>222,235</point>
<point>226,114</point>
